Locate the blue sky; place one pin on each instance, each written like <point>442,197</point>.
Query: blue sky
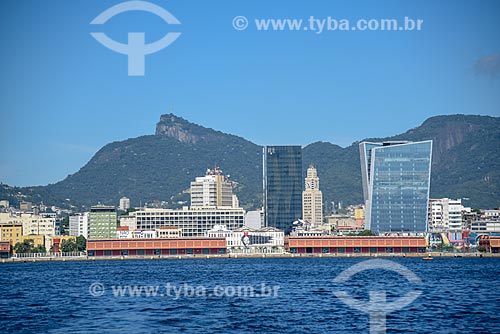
<point>64,95</point>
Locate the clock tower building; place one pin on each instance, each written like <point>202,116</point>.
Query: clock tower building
<point>312,199</point>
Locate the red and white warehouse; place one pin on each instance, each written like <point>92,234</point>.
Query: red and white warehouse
<point>118,247</point>
<point>367,245</point>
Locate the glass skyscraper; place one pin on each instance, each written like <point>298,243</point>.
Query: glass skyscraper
<point>282,186</point>
<point>396,183</point>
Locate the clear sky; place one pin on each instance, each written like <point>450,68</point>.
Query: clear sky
<point>64,95</point>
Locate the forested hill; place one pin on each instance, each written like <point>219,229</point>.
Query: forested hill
<point>466,164</point>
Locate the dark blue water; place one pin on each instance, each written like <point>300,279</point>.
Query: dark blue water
<point>458,295</point>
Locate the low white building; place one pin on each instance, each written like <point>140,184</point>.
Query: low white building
<point>169,232</point>
<point>485,226</point>
<point>123,232</point>
<point>136,234</point>
<point>302,228</point>
<point>218,231</point>
<point>308,233</point>
<point>492,214</point>
<point>249,240</point>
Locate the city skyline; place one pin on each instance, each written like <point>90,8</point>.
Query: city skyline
<point>222,78</point>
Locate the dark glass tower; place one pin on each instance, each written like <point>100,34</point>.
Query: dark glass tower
<point>396,183</point>
<point>282,186</point>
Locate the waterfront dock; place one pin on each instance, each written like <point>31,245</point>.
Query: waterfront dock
<point>435,255</point>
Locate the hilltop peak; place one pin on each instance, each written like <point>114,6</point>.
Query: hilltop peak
<point>178,128</point>
<point>172,119</point>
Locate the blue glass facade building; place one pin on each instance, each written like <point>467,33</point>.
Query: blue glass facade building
<point>282,186</point>
<point>396,184</point>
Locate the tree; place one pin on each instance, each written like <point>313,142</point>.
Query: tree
<point>366,233</point>
<point>39,249</point>
<point>81,243</point>
<point>24,247</point>
<point>68,246</point>
<point>28,246</point>
<point>127,212</point>
<point>446,248</point>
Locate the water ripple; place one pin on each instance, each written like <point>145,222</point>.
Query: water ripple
<point>457,295</point>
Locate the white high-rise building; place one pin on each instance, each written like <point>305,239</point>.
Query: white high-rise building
<point>312,199</point>
<point>124,203</point>
<point>445,215</point>
<point>79,225</point>
<point>455,209</point>
<point>214,190</point>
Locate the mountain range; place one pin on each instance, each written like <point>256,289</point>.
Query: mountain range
<point>466,164</point>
